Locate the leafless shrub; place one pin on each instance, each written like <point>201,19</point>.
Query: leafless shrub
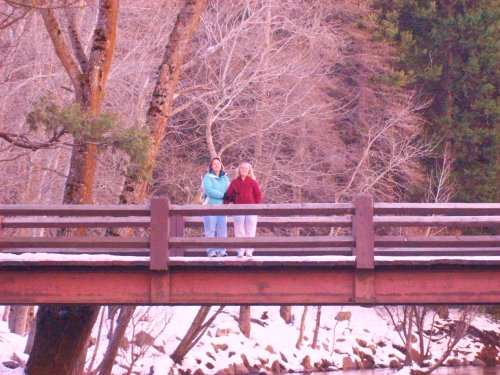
<point>418,329</point>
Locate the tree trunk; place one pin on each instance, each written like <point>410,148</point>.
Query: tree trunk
<point>63,331</point>
<point>135,187</point>
<point>186,342</point>
<point>302,327</point>
<point>18,318</point>
<point>80,363</point>
<point>244,320</point>
<point>61,337</point>
<point>286,313</point>
<point>194,333</point>
<point>112,310</point>
<point>314,344</point>
<point>126,313</point>
<point>95,349</point>
<point>89,81</point>
<point>408,345</point>
<point>30,320</point>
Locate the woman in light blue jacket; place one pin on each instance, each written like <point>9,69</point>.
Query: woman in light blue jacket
<point>215,184</point>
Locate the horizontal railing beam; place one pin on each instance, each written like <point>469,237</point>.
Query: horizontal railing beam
<point>438,251</point>
<point>76,222</point>
<point>287,209</point>
<point>263,242</point>
<point>285,222</point>
<point>437,221</point>
<point>74,242</point>
<point>437,241</point>
<point>73,210</point>
<point>476,209</point>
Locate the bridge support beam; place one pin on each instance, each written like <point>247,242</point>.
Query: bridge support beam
<point>160,288</point>
<point>364,286</point>
<point>245,285</point>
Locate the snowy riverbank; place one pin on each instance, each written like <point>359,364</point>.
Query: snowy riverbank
<point>365,339</point>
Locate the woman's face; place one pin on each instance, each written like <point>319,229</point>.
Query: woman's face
<point>216,166</point>
<point>244,169</point>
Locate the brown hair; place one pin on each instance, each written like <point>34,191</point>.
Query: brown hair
<point>212,161</point>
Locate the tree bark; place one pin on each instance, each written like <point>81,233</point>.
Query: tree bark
<point>61,337</point>
<point>244,320</point>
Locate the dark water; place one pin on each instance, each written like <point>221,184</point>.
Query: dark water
<point>439,371</point>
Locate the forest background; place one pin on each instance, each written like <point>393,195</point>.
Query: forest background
<point>114,102</point>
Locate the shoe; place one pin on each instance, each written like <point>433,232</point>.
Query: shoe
<point>249,253</point>
<point>222,254</point>
<point>241,253</point>
<point>212,254</point>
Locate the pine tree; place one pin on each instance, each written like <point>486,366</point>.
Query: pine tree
<point>450,51</point>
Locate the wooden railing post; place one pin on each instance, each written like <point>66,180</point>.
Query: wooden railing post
<point>363,231</point>
<point>160,229</point>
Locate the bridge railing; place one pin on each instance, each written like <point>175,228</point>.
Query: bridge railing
<point>369,230</point>
<point>78,217</point>
<point>271,216</point>
<point>449,216</point>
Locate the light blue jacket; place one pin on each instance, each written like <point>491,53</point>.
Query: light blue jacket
<point>215,186</point>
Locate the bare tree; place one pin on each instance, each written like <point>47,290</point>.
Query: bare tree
<point>289,86</point>
<point>146,325</point>
<point>88,70</point>
<point>418,324</point>
<point>195,332</point>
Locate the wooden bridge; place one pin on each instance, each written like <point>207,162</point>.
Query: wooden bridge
<point>352,253</point>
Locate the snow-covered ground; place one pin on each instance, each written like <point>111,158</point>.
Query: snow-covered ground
<point>272,343</point>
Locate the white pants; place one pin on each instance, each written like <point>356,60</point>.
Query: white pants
<point>245,226</point>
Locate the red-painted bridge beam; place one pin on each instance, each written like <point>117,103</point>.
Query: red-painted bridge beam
<point>247,285</point>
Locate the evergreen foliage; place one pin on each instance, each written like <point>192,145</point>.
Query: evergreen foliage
<point>450,51</point>
<point>104,129</point>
